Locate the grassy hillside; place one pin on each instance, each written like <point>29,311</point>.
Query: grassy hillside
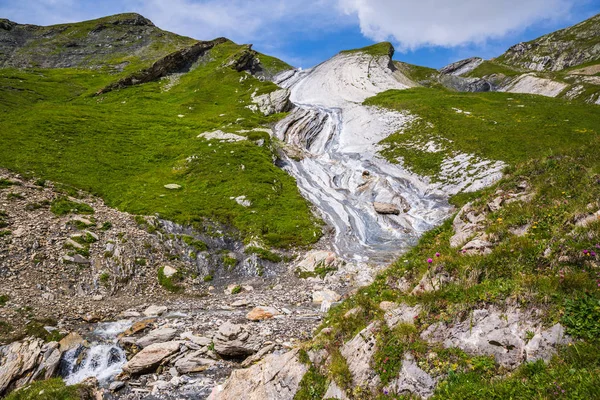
<point>126,145</point>
<point>499,126</point>
<point>378,49</point>
<point>540,257</point>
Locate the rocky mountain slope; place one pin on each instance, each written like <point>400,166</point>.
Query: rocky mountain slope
<point>561,64</point>
<point>180,227</point>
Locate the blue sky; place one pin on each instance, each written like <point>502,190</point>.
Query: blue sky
<point>305,32</point>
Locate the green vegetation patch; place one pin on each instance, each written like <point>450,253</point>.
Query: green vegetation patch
<point>52,389</point>
<point>191,241</point>
<point>64,206</point>
<point>3,300</point>
<point>489,67</point>
<point>582,317</point>
<point>170,283</point>
<point>264,254</point>
<point>376,50</point>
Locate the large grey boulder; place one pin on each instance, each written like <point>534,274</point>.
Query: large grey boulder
<point>157,336</point>
<point>233,340</point>
<point>150,357</point>
<point>277,377</point>
<point>467,223</point>
<point>274,102</point>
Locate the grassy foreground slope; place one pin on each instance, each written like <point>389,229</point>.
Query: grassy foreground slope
<point>541,257</point>
<point>126,145</point>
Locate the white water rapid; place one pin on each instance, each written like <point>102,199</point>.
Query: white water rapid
<point>103,359</point>
<point>340,171</point>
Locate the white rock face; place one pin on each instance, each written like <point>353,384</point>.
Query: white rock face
<point>222,136</point>
<point>529,83</point>
<point>274,102</point>
<point>339,137</point>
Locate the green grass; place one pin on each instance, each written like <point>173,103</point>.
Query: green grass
<point>498,128</point>
<point>264,254</point>
<point>573,374</point>
<point>198,245</point>
<point>376,50</point>
<point>126,145</point>
<point>170,283</point>
<point>64,206</point>
<point>3,300</point>
<point>489,67</point>
<point>52,389</point>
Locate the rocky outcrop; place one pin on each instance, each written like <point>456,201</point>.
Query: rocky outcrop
<point>271,103</point>
<point>233,340</point>
<point>174,62</point>
<point>556,51</point>
<point>501,334</point>
<point>23,362</point>
<point>278,377</point>
<point>461,67</point>
<point>530,83</point>
<point>359,353</point>
<point>156,336</point>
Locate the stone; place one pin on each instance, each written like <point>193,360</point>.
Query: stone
<point>150,357</point>
<point>258,356</point>
<point>155,311</point>
<point>403,313</point>
<point>495,204</point>
<point>386,208</point>
<point>318,258</point>
<point>193,363</point>
<point>156,336</point>
<point>477,246</point>
<point>230,331</point>
<point>240,303</point>
<point>169,271</point>
<point>429,284</point>
<point>97,297</point>
<point>116,386</point>
<point>260,313</point>
<point>70,342</point>
<point>172,186</point>
<point>329,295</point>
<point>73,244</point>
<point>222,136</point>
<point>199,340</point>
<point>277,376</point>
<point>359,352</point>
<point>588,220</point>
<point>412,380</point>
<point>138,326</point>
<point>232,340</point>
<point>273,102</point>
<point>242,201</point>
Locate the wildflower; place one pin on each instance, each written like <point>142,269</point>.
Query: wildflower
<point>593,253</point>
<point>437,254</point>
<point>429,260</point>
<point>585,252</point>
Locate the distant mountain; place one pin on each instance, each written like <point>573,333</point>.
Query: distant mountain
<point>565,63</point>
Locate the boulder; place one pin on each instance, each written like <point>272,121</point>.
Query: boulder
<point>138,326</point>
<point>386,208</point>
<point>155,311</point>
<point>318,258</point>
<point>157,336</point>
<point>150,357</point>
<point>543,345</point>
<point>478,246</point>
<point>335,392</point>
<point>193,362</point>
<point>172,186</point>
<point>198,340</point>
<point>278,377</point>
<point>466,224</point>
<point>232,340</point>
<point>274,102</point>
<point>70,342</point>
<point>260,313</point>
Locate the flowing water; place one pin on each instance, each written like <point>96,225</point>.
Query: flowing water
<point>103,359</point>
<point>340,171</point>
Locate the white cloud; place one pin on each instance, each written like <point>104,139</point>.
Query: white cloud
<point>420,23</point>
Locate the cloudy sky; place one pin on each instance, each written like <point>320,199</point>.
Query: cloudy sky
<point>306,32</point>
